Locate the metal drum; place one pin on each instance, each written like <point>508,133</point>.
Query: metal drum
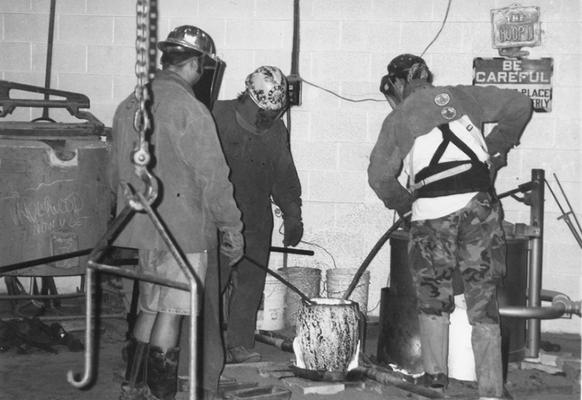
<point>327,334</point>
<point>54,196</point>
<point>399,341</point>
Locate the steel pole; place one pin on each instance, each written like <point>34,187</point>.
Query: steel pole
<point>535,262</point>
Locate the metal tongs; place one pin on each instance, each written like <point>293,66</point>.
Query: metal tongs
<point>576,230</point>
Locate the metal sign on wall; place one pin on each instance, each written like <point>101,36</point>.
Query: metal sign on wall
<point>530,77</point>
<point>516,26</point>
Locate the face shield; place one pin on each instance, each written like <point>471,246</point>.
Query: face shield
<point>208,86</point>
<point>194,38</point>
<point>401,70</point>
<point>393,89</point>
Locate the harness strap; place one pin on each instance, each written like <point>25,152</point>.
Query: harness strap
<point>474,179</point>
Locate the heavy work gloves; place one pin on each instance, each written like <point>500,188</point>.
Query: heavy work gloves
<point>495,163</point>
<point>292,223</point>
<point>404,212</point>
<point>232,245</point>
<point>293,231</point>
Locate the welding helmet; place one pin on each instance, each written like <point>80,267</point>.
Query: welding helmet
<point>401,70</point>
<point>267,87</point>
<point>191,40</point>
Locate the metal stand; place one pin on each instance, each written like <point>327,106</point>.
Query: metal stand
<point>561,304</point>
<point>193,286</point>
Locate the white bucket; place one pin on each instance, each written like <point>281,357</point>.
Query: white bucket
<point>307,280</point>
<point>461,359</point>
<point>339,279</point>
<point>272,316</point>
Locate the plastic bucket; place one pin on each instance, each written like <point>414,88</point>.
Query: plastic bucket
<point>338,280</point>
<point>461,359</point>
<point>307,280</point>
<point>272,316</point>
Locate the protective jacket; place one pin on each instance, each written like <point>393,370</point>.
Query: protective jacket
<point>428,107</point>
<point>261,167</point>
<point>196,197</point>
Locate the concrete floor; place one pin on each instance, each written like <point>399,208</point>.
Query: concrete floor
<point>42,375</point>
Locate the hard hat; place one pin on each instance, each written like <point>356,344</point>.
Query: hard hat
<point>267,86</point>
<point>189,37</point>
<point>407,66</point>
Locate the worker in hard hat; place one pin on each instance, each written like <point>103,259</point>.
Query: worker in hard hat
<point>435,136</point>
<point>256,145</point>
<point>196,205</point>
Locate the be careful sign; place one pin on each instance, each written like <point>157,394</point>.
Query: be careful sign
<point>530,77</point>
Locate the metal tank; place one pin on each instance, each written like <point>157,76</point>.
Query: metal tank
<point>399,341</point>
<point>54,196</point>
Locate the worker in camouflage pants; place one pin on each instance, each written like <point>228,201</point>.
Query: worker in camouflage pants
<point>471,240</point>
<point>432,161</point>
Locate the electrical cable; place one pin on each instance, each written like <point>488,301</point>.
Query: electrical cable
<point>440,30</point>
<point>342,97</point>
<point>382,100</point>
<point>322,248</point>
<point>281,232</point>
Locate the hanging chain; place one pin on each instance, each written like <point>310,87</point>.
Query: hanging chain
<point>141,121</point>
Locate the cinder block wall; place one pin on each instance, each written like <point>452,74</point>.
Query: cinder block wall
<point>345,46</point>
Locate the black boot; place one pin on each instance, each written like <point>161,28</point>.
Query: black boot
<point>134,387</point>
<point>434,339</point>
<point>163,372</point>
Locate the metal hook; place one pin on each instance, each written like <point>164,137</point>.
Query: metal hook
<point>85,379</point>
<point>150,192</point>
<point>95,254</point>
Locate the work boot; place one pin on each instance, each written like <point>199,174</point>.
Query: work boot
<point>437,381</point>
<point>134,386</point>
<point>163,372</point>
<point>240,354</point>
<point>434,347</point>
<point>486,342</point>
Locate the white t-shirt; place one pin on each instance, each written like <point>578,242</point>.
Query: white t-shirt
<point>422,152</point>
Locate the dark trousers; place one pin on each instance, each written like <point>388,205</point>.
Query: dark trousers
<point>245,297</point>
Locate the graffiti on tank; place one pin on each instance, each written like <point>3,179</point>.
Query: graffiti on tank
<point>50,213</point>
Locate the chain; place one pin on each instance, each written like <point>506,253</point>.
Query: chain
<point>141,120</point>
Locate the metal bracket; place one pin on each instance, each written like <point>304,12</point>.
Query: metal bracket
<point>73,102</point>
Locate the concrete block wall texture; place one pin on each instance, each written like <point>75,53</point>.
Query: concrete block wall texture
<point>345,46</point>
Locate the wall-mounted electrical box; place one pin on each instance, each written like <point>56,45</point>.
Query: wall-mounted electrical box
<point>294,90</point>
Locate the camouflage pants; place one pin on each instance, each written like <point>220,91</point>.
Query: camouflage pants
<point>470,239</point>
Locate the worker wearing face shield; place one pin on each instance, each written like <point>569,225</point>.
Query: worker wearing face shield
<point>255,143</point>
<point>432,161</point>
<point>197,206</point>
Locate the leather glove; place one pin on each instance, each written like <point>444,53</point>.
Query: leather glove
<point>293,231</point>
<point>232,246</point>
<point>404,209</point>
<point>495,163</point>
